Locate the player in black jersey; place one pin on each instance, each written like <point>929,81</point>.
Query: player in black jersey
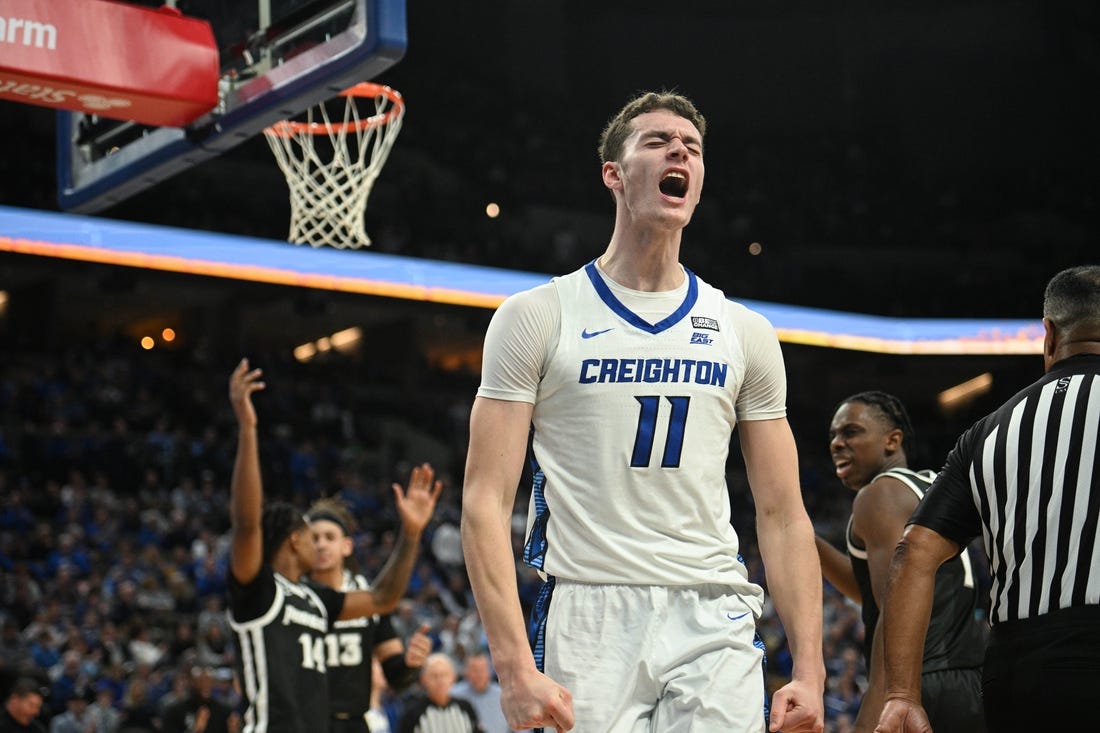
<point>281,621</point>
<point>353,643</point>
<point>870,439</point>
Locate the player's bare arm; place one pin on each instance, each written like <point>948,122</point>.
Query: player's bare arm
<point>837,569</point>
<point>246,486</point>
<point>790,561</point>
<point>415,507</point>
<point>905,615</point>
<point>879,514</point>
<point>494,464</point>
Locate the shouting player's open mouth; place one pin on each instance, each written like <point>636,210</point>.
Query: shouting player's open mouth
<point>674,184</point>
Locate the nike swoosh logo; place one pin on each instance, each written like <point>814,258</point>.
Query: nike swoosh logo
<point>738,616</point>
<point>586,334</point>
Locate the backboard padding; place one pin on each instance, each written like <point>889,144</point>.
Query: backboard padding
<point>98,168</point>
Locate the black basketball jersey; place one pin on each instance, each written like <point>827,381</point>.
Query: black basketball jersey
<point>956,638</point>
<point>349,648</point>
<point>280,629</point>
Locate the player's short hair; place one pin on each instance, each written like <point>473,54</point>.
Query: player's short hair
<point>893,411</point>
<point>618,129</point>
<point>279,521</point>
<point>1072,299</point>
<point>332,510</point>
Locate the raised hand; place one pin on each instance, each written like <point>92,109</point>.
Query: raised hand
<point>416,505</point>
<point>246,493</point>
<point>420,646</point>
<point>242,383</point>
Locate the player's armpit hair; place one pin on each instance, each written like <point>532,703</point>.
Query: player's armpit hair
<point>398,674</point>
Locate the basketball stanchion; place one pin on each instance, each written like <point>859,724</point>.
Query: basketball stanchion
<point>330,167</point>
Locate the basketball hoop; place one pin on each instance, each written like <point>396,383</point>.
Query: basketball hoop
<point>329,187</point>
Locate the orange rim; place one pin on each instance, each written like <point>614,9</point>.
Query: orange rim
<point>366,89</point>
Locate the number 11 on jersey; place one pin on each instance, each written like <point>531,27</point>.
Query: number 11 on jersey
<point>647,426</point>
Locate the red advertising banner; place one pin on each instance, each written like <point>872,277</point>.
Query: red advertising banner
<point>152,66</point>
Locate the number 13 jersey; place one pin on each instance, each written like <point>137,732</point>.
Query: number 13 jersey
<point>635,398</point>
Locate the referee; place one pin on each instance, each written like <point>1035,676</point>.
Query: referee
<point>1026,478</point>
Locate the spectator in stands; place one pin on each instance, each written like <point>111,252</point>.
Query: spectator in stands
<point>43,651</point>
<point>65,678</point>
<point>22,594</point>
<point>480,689</point>
<point>144,649</point>
<point>14,650</point>
<point>138,711</point>
<point>436,709</point>
<point>199,711</point>
<point>213,648</point>
<point>75,719</point>
<point>103,714</point>
<point>183,640</point>
<point>69,554</point>
<point>22,707</point>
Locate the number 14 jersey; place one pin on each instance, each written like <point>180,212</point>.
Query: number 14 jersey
<point>280,630</point>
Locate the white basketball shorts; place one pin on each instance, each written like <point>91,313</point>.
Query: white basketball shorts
<point>654,659</point>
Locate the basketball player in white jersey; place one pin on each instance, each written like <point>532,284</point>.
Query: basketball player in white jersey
<point>633,373</point>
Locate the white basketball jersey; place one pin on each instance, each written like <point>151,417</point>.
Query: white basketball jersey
<point>632,425</point>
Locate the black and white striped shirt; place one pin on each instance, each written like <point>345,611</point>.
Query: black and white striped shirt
<point>423,716</point>
<point>1027,479</point>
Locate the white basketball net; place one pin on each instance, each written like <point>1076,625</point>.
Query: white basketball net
<point>329,187</point>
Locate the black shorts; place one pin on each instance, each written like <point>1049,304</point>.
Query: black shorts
<point>952,698</point>
<point>1044,673</point>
